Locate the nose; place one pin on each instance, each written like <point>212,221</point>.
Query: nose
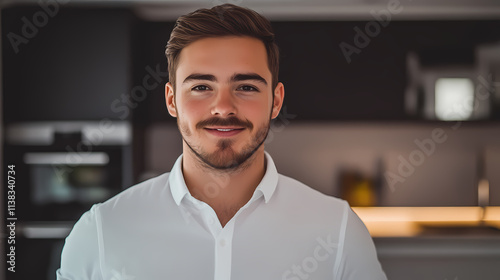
<point>223,105</point>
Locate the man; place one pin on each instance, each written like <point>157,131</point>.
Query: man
<point>223,212</point>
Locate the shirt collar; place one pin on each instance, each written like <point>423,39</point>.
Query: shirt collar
<point>266,186</point>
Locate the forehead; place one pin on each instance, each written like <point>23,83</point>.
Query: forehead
<point>223,56</point>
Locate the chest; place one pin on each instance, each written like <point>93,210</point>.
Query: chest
<point>225,214</point>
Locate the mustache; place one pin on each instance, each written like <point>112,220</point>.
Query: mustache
<point>231,121</point>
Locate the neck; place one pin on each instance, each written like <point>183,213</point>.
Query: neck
<point>226,191</point>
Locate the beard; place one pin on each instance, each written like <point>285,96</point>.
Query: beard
<point>225,158</point>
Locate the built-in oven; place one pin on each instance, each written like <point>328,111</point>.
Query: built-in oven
<point>64,167</point>
<point>61,170</point>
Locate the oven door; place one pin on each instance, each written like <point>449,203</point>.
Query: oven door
<point>57,185</point>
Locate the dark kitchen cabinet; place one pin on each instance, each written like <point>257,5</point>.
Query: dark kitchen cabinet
<point>148,50</point>
<point>324,83</point>
<point>71,64</point>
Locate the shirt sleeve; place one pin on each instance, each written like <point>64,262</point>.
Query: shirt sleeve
<point>359,256</point>
<point>80,258</point>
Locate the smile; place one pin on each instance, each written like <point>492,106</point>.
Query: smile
<point>224,132</point>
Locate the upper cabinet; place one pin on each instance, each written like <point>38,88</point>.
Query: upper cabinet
<point>368,71</point>
<point>65,63</point>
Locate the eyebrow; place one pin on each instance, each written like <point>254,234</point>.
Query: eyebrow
<point>234,78</point>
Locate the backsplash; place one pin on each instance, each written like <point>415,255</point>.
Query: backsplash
<point>417,164</point>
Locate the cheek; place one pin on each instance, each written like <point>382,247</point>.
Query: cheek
<point>191,111</point>
<point>257,112</point>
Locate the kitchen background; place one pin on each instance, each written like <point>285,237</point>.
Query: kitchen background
<point>391,105</point>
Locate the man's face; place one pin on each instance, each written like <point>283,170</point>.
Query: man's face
<point>224,99</point>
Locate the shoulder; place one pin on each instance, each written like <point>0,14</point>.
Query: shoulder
<point>292,188</point>
<point>145,188</point>
<point>138,197</point>
<point>297,197</point>
<point>356,251</point>
<point>82,254</point>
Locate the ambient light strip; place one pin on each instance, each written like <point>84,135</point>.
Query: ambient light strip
<point>408,221</point>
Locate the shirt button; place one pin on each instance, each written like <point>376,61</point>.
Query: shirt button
<point>222,242</point>
<point>211,221</point>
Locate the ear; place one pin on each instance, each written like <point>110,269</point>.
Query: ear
<point>170,100</point>
<point>279,95</point>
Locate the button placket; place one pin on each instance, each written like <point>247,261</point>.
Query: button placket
<point>223,252</point>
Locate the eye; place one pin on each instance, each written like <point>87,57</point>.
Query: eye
<point>200,88</point>
<point>248,88</point>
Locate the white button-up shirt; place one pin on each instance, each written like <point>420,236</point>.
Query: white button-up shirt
<point>157,230</point>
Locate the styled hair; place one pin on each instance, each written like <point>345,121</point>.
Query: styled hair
<point>222,20</point>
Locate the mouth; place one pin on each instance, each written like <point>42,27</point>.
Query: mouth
<point>224,131</point>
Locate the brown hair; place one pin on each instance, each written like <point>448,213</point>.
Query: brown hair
<point>223,20</point>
